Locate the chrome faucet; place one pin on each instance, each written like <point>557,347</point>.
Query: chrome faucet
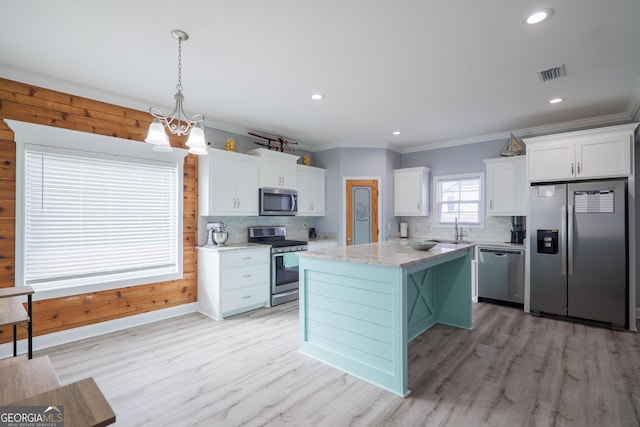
<point>458,232</point>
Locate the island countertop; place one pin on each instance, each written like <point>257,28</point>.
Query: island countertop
<point>391,253</point>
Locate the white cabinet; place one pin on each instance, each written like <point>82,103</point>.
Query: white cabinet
<point>411,191</point>
<point>277,170</point>
<point>594,153</point>
<point>310,182</point>
<point>232,281</point>
<point>228,184</point>
<point>507,191</point>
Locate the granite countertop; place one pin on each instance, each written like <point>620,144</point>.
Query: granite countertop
<point>501,245</point>
<point>234,247</point>
<point>392,253</point>
<point>475,243</point>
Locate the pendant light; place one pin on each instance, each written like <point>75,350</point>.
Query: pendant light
<point>177,122</point>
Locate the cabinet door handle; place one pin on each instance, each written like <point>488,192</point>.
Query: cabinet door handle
<point>571,168</point>
<point>238,201</point>
<point>490,204</point>
<point>578,168</point>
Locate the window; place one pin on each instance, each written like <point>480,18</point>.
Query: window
<point>92,221</point>
<point>459,197</point>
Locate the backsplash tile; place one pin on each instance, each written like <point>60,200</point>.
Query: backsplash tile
<point>238,226</point>
<point>496,229</point>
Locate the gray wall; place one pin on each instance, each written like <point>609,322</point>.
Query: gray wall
<point>357,162</point>
<point>454,160</point>
<point>217,139</point>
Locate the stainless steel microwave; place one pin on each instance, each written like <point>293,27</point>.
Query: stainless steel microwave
<point>278,201</point>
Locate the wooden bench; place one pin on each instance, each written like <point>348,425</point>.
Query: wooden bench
<point>26,381</point>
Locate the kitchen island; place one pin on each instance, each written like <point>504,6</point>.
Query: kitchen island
<point>360,306</point>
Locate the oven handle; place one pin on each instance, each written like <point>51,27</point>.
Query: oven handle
<point>293,203</point>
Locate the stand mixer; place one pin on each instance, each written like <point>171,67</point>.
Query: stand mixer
<point>216,234</point>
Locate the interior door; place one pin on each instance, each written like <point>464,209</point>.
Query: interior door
<point>361,212</point>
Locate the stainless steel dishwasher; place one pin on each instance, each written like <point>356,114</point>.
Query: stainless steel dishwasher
<point>501,275</point>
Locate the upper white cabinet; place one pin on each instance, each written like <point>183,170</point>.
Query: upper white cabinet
<point>277,170</point>
<point>411,191</point>
<point>310,182</point>
<point>228,184</point>
<point>507,186</point>
<point>594,153</point>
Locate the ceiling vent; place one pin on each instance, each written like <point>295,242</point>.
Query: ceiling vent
<point>551,73</point>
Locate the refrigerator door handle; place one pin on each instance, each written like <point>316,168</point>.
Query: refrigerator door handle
<point>570,234</point>
<point>563,239</point>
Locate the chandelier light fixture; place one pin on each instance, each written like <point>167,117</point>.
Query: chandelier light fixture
<point>177,122</point>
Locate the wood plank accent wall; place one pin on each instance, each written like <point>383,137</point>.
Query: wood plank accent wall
<point>19,101</point>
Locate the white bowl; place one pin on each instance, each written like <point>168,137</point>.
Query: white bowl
<point>422,245</point>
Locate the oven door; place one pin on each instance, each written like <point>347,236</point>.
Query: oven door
<point>284,277</point>
<point>275,201</point>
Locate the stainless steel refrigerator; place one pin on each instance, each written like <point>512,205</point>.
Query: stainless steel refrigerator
<point>579,253</point>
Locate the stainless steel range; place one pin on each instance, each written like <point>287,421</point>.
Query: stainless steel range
<point>284,261</point>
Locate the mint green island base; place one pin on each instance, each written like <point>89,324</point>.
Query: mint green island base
<point>360,306</point>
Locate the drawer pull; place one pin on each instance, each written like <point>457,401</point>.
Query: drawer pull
<point>246,297</point>
<point>247,275</point>
<point>248,257</point>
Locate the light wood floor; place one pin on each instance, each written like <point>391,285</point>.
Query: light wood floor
<point>513,369</point>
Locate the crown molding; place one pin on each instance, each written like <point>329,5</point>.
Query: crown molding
<point>28,77</point>
<point>633,108</point>
<point>40,80</point>
<point>527,132</point>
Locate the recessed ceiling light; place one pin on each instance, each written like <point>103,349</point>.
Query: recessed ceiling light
<point>317,97</point>
<point>397,132</point>
<point>538,16</point>
<point>555,100</point>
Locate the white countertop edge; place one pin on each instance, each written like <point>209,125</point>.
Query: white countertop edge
<point>391,253</point>
<point>234,247</point>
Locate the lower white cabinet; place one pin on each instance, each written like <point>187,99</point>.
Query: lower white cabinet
<point>232,281</point>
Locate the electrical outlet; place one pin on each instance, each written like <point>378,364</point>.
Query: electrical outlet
<point>304,226</point>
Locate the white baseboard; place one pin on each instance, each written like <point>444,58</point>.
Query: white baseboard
<point>70,335</point>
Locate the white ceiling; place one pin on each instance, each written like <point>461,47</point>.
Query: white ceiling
<point>444,72</point>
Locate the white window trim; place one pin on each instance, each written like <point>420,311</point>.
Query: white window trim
<point>436,214</point>
<point>52,138</point>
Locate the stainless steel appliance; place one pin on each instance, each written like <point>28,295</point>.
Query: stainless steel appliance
<point>501,275</point>
<point>579,250</point>
<point>284,261</point>
<point>278,201</point>
<point>216,234</point>
<point>518,231</point>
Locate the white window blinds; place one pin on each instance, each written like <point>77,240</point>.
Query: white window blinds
<point>94,220</point>
<point>461,198</point>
